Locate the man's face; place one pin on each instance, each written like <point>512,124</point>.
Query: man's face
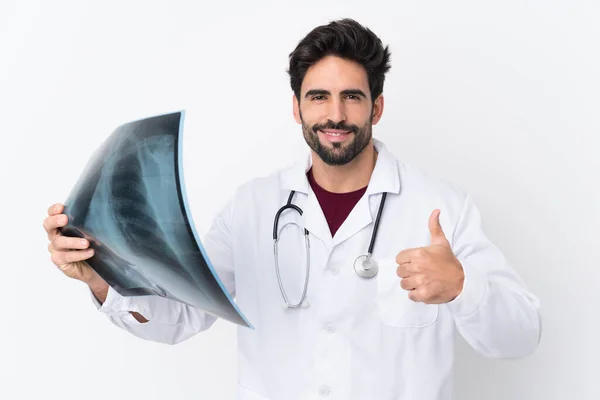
<point>336,110</point>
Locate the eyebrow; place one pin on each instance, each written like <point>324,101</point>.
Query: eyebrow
<point>321,92</point>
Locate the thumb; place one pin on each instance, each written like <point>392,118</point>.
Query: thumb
<point>437,233</point>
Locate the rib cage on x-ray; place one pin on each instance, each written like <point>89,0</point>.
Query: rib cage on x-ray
<point>130,203</point>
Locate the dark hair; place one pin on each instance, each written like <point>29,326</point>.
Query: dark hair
<point>344,38</point>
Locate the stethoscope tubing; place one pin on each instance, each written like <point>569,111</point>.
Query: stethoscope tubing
<point>362,270</point>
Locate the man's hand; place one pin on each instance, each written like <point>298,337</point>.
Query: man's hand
<point>432,274</point>
<point>69,254</point>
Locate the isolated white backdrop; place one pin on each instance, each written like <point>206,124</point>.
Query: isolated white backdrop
<point>498,97</point>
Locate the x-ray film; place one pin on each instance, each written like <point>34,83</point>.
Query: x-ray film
<point>130,203</point>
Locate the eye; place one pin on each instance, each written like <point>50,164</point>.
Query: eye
<point>318,97</point>
<point>352,97</point>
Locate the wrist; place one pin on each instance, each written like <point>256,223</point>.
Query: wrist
<point>475,288</point>
<point>459,288</point>
<point>96,284</point>
<point>460,280</point>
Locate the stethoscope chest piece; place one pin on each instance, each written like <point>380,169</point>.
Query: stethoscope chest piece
<point>365,266</point>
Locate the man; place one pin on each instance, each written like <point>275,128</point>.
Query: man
<point>352,335</point>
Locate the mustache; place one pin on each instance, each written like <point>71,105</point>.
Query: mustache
<point>335,125</point>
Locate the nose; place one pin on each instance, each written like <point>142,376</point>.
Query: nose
<point>337,111</point>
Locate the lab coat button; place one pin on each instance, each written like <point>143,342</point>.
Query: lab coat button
<point>335,271</point>
<point>330,328</point>
<point>324,391</point>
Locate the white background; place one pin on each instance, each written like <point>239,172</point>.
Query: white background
<point>501,98</point>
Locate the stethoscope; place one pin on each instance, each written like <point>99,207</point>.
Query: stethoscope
<point>364,265</point>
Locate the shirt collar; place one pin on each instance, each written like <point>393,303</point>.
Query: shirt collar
<point>385,177</point>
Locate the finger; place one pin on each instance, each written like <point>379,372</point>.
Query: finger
<point>53,222</point>
<point>416,295</point>
<point>405,270</point>
<point>435,229</point>
<point>62,243</point>
<point>408,255</point>
<point>56,209</point>
<point>408,283</point>
<point>68,257</point>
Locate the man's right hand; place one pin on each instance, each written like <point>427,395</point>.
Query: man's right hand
<point>69,253</point>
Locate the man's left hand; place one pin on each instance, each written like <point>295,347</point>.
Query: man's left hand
<point>432,274</point>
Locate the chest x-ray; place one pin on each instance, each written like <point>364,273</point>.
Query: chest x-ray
<point>130,203</point>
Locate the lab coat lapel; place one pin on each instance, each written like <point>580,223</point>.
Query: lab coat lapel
<point>314,220</point>
<point>385,178</point>
<point>359,217</point>
<point>294,178</point>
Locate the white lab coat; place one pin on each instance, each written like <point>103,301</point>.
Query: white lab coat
<point>359,339</point>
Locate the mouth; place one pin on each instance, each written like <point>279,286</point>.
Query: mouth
<point>334,135</point>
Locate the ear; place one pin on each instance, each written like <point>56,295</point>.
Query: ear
<point>378,109</point>
<point>296,107</point>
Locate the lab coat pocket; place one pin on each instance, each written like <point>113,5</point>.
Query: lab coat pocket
<point>394,306</point>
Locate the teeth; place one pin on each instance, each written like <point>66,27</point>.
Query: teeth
<point>334,134</point>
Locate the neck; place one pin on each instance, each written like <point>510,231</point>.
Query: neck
<point>345,178</point>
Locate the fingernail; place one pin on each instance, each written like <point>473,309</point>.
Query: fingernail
<point>83,242</point>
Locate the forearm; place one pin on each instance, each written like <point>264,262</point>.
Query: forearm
<point>496,319</point>
<point>100,288</point>
<point>162,320</point>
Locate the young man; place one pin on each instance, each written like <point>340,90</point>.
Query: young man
<point>353,334</point>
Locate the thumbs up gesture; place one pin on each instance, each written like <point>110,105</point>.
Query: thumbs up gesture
<point>431,274</point>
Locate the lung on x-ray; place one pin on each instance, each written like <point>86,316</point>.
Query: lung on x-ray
<point>130,203</point>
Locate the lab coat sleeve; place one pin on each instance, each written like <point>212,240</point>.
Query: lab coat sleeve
<point>169,321</point>
<point>495,312</point>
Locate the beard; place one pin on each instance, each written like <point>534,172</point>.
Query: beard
<point>340,153</point>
